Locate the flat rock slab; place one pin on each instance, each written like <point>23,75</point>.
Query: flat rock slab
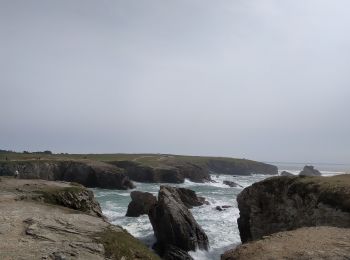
<point>313,243</point>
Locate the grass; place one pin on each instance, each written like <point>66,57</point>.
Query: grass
<point>146,159</point>
<point>121,245</point>
<point>54,195</point>
<point>333,190</point>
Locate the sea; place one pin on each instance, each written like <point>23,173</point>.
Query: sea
<point>220,226</point>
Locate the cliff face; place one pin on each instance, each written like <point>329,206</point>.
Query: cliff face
<point>287,203</point>
<point>240,167</point>
<point>87,173</point>
<point>163,174</point>
<point>57,220</point>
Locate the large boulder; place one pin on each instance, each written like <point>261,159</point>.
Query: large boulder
<point>174,225</point>
<point>285,203</point>
<point>309,171</point>
<point>141,203</point>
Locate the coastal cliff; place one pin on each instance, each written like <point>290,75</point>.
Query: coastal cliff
<point>85,172</point>
<point>58,220</point>
<point>289,202</point>
<point>294,217</point>
<point>116,171</point>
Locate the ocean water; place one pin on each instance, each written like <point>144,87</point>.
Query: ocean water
<point>220,226</point>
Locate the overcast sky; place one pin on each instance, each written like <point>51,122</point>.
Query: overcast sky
<point>266,80</point>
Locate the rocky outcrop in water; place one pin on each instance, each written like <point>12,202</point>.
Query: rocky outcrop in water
<point>87,173</point>
<point>141,203</point>
<point>174,225</point>
<point>309,171</point>
<point>33,226</point>
<point>175,253</point>
<point>287,203</point>
<point>312,243</point>
<point>188,197</point>
<point>232,184</point>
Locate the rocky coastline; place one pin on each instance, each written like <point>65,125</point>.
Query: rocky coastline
<point>114,172</point>
<point>294,217</point>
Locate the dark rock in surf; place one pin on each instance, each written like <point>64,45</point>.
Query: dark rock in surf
<point>231,184</point>
<point>174,225</point>
<point>309,171</point>
<point>141,203</point>
<point>175,253</point>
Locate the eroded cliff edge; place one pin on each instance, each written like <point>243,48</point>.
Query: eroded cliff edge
<point>58,220</point>
<point>294,217</point>
<point>86,172</point>
<point>289,202</point>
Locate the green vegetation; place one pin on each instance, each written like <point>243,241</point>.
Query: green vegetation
<point>144,159</point>
<point>121,245</point>
<point>333,190</point>
<point>63,196</point>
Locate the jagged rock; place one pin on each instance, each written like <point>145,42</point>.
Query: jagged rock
<point>309,171</point>
<point>174,225</point>
<point>231,184</point>
<point>175,253</point>
<point>74,197</point>
<point>141,203</point>
<point>290,202</point>
<point>312,243</point>
<point>188,197</point>
<point>224,207</point>
<point>87,173</point>
<point>285,173</point>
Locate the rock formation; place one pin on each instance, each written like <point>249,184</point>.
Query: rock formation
<point>87,173</point>
<point>33,226</point>
<point>174,225</point>
<point>141,203</point>
<point>286,203</point>
<point>312,243</point>
<point>285,173</point>
<point>231,184</point>
<point>188,197</point>
<point>309,171</point>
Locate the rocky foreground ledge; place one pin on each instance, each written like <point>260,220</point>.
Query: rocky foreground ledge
<point>294,217</point>
<point>58,220</point>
